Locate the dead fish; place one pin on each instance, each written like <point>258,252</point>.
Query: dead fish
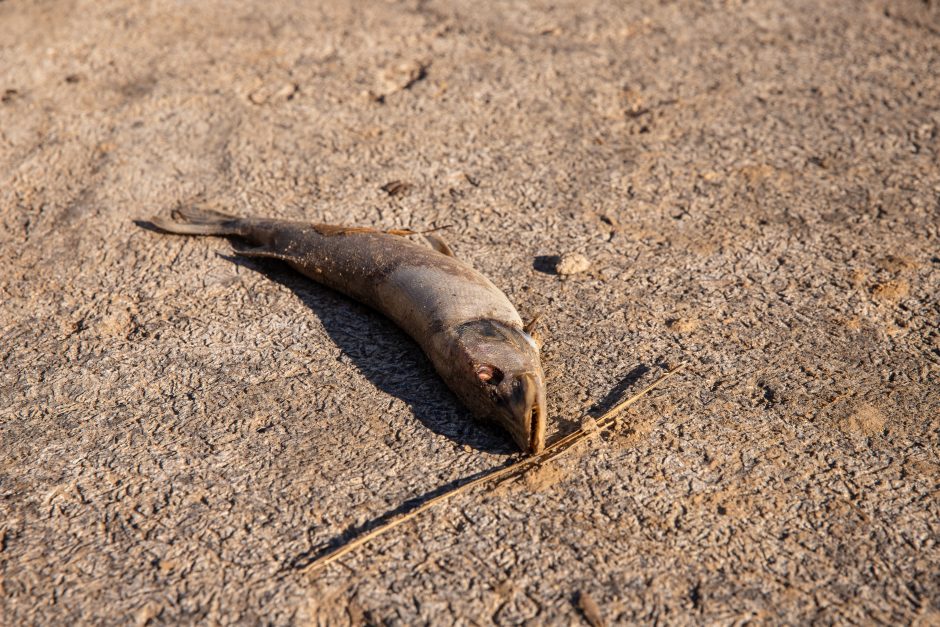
<point>467,327</point>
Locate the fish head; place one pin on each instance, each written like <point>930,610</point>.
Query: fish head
<point>500,377</point>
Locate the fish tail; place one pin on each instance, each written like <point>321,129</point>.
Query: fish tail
<point>199,221</point>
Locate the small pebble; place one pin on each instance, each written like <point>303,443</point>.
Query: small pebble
<point>402,76</point>
<point>572,263</point>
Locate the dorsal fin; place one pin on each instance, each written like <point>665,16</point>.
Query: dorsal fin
<point>437,243</point>
<point>328,230</point>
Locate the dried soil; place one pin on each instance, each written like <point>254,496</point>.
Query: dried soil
<point>756,186</point>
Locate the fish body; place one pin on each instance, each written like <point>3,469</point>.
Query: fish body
<point>466,326</point>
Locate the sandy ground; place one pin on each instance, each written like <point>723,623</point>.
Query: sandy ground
<point>755,184</point>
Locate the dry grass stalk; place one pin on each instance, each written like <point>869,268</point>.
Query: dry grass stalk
<point>498,476</point>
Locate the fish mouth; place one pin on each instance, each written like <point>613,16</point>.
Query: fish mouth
<point>526,420</point>
<point>536,430</point>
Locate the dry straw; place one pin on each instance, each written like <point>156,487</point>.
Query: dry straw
<point>496,477</point>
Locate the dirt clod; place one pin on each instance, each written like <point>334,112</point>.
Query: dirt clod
<point>572,263</point>
<point>891,291</point>
<point>866,420</point>
<point>401,76</point>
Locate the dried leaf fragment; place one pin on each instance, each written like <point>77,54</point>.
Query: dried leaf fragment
<point>397,188</point>
<point>590,609</point>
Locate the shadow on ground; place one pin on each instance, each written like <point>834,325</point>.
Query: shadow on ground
<point>546,264</point>
<point>391,360</point>
<point>322,550</point>
<point>618,392</point>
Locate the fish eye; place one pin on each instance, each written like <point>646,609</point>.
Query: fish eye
<point>489,374</point>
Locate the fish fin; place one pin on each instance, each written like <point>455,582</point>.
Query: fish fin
<point>329,230</point>
<point>439,244</point>
<point>198,221</point>
<point>532,324</point>
<point>257,251</point>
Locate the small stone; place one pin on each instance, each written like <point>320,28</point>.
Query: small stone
<point>683,325</point>
<point>272,92</point>
<point>402,76</point>
<point>288,91</point>
<point>572,263</point>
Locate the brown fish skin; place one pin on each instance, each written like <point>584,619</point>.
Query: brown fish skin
<point>466,326</point>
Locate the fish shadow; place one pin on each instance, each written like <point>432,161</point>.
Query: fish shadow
<point>387,357</point>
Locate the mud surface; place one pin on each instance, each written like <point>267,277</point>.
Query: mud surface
<point>756,187</point>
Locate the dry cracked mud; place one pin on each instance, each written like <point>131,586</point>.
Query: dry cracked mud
<point>756,187</point>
